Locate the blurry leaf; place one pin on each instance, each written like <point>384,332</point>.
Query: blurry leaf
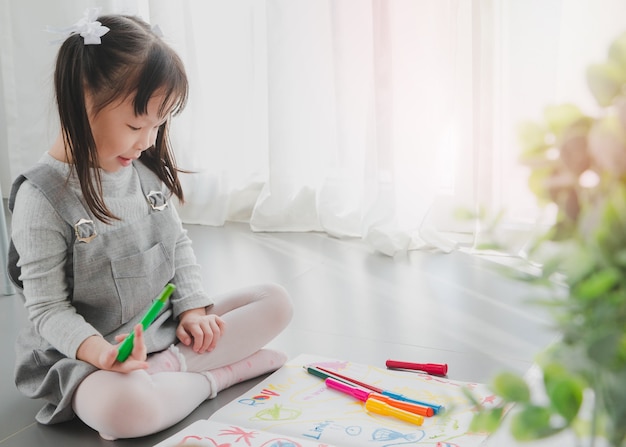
<point>591,222</point>
<point>564,229</point>
<point>617,51</point>
<point>569,204</point>
<point>532,137</point>
<point>489,246</point>
<point>621,352</point>
<point>561,117</point>
<point>511,387</point>
<point>553,372</point>
<point>482,212</point>
<point>487,420</point>
<point>598,284</point>
<point>620,106</point>
<point>566,395</point>
<point>574,154</point>
<point>537,183</point>
<point>465,214</point>
<point>532,422</point>
<point>620,257</point>
<point>607,145</point>
<point>611,228</point>
<point>605,82</point>
<point>471,397</point>
<point>572,357</point>
<point>603,347</point>
<point>575,262</point>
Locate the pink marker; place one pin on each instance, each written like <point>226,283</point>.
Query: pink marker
<point>355,392</point>
<point>365,395</point>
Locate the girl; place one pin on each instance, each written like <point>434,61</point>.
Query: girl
<point>95,239</point>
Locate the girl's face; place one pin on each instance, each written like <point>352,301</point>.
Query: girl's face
<point>120,135</point>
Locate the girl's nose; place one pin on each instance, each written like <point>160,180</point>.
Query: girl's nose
<point>146,140</point>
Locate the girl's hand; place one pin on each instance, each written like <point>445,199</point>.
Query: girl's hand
<point>137,357</point>
<point>202,329</point>
<point>100,353</point>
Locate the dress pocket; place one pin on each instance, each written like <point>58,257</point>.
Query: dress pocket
<point>140,278</point>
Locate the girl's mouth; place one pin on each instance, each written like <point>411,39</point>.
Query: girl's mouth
<point>124,161</point>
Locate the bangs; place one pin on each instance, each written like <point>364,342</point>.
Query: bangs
<point>162,73</point>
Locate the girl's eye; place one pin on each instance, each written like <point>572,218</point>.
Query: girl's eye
<point>133,127</point>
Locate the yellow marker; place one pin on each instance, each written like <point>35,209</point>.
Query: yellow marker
<point>378,407</point>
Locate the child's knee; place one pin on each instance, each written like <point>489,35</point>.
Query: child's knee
<point>121,408</point>
<point>281,303</point>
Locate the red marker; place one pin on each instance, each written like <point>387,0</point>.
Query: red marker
<point>436,369</point>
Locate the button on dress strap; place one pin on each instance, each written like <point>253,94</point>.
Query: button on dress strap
<point>151,186</point>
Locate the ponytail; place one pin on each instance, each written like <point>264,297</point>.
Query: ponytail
<point>80,147</point>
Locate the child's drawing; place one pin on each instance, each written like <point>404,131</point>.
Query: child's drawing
<point>295,408</point>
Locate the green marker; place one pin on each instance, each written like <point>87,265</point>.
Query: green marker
<point>126,347</point>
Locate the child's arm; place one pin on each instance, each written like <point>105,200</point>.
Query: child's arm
<point>40,237</point>
<point>188,276</point>
<point>197,329</point>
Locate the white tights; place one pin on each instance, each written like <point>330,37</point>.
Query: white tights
<point>137,404</point>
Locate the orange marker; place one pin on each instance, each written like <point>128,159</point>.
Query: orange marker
<point>406,406</point>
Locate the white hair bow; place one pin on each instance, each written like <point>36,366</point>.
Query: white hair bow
<point>88,27</point>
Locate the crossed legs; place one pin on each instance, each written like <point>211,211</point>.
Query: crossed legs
<point>140,403</point>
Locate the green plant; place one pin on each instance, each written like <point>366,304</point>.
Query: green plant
<point>578,165</point>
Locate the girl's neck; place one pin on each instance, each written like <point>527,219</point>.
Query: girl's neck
<point>57,151</point>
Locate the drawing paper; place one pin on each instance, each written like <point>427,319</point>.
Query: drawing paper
<point>294,408</point>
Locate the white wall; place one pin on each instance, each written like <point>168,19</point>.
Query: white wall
<point>4,156</point>
<point>27,57</point>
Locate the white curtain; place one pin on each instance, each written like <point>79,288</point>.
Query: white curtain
<point>373,119</point>
<point>323,116</point>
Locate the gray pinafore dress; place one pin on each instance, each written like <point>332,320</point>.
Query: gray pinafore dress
<point>113,278</point>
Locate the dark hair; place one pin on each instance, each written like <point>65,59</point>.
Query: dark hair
<point>132,61</point>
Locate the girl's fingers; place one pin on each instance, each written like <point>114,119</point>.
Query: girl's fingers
<point>131,365</point>
<point>120,338</point>
<point>199,338</point>
<point>137,360</point>
<point>216,330</point>
<point>109,358</point>
<point>139,345</point>
<point>202,334</point>
<point>183,336</point>
<point>221,324</point>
